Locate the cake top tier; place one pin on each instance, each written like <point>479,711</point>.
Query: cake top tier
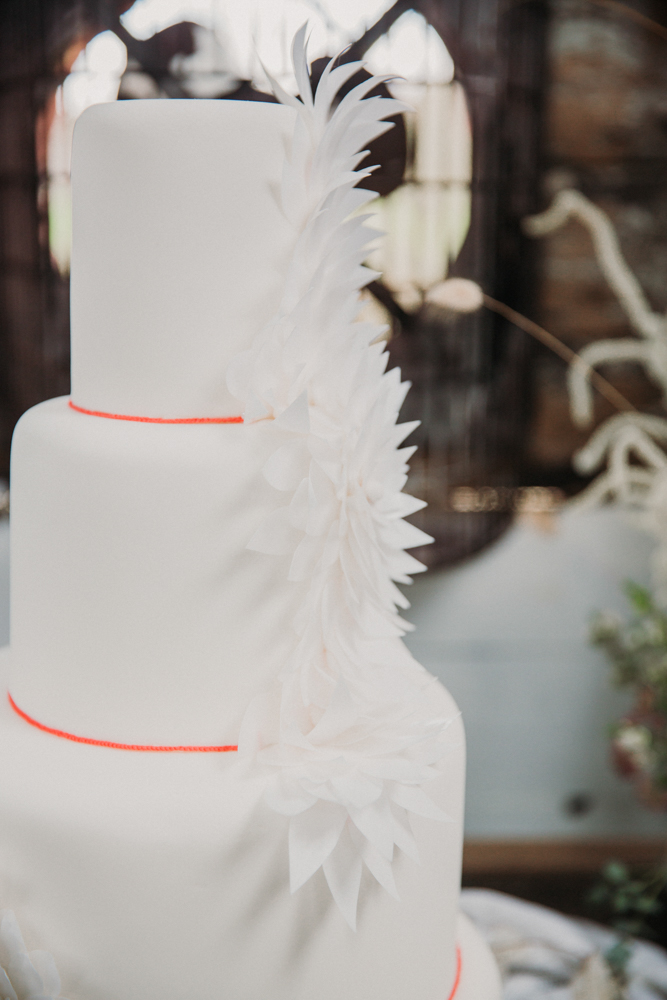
<point>179,250</point>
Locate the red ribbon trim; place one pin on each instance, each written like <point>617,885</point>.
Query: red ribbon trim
<point>113,746</point>
<point>133,746</point>
<point>457,977</point>
<point>156,420</point>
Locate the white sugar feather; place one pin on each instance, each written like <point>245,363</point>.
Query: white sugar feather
<point>352,730</point>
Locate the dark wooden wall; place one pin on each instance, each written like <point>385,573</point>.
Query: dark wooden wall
<point>605,133</point>
<point>470,377</point>
<point>36,38</point>
<point>471,385</point>
<point>33,300</point>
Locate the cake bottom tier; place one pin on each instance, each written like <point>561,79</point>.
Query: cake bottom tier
<point>479,977</point>
<point>164,876</point>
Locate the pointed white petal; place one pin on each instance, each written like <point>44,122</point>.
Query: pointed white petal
<point>312,837</point>
<point>295,418</point>
<point>275,536</point>
<point>380,868</point>
<point>45,967</point>
<point>286,468</point>
<point>415,800</point>
<point>342,870</point>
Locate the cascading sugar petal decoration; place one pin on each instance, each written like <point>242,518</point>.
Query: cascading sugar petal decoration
<point>348,733</point>
<point>24,975</point>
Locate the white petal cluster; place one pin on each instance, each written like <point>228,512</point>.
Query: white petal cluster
<point>24,975</point>
<point>348,733</point>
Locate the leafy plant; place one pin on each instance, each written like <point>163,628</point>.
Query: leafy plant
<point>637,651</point>
<point>628,902</point>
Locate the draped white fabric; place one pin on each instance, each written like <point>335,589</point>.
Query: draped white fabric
<point>544,955</point>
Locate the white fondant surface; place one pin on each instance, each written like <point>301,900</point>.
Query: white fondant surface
<point>154,876</point>
<point>480,976</point>
<point>137,613</point>
<point>178,250</point>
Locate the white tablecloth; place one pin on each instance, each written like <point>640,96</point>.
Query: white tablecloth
<point>544,955</point>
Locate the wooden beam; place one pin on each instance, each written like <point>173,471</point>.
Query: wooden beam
<point>544,856</point>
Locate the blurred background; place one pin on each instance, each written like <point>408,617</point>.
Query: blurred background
<point>515,101</point>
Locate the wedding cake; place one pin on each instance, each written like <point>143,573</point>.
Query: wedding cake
<point>223,776</point>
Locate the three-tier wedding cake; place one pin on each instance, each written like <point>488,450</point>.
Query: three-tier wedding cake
<point>222,775</point>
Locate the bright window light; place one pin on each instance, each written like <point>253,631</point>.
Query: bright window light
<point>412,49</point>
<point>354,16</point>
<point>256,32</point>
<point>146,17</point>
<point>95,75</point>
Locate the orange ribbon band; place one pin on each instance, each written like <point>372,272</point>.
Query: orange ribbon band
<point>156,420</point>
<point>169,749</point>
<point>457,977</point>
<point>114,746</point>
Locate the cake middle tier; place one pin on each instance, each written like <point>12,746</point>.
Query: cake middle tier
<point>138,615</point>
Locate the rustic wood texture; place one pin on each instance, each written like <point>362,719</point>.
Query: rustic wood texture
<point>605,135</point>
<point>585,856</point>
<point>471,387</point>
<point>33,301</point>
<point>470,383</point>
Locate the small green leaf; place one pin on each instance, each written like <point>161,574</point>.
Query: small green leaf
<point>645,905</point>
<point>618,956</point>
<point>640,598</point>
<point>615,871</point>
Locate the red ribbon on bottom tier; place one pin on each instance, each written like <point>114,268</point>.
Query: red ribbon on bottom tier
<point>148,748</point>
<point>457,976</point>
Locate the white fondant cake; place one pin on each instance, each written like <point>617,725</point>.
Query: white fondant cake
<point>141,617</point>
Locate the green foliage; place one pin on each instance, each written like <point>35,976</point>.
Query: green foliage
<point>627,902</point>
<point>640,598</point>
<point>637,650</point>
<point>617,958</point>
<point>637,653</point>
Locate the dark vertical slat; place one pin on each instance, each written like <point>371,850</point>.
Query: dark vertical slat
<point>471,387</point>
<point>25,273</point>
<point>22,41</point>
<point>468,375</point>
<point>34,298</point>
